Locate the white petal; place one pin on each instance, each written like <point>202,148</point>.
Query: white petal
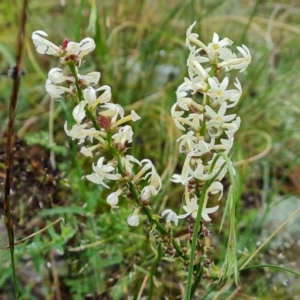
<point>113,199</point>
<point>56,75</point>
<point>72,48</point>
<point>86,45</point>
<point>134,116</point>
<point>79,111</point>
<point>95,178</point>
<point>133,220</point>
<point>43,46</point>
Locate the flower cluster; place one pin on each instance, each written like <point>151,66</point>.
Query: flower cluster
<point>101,124</point>
<point>203,100</point>
<point>68,52</point>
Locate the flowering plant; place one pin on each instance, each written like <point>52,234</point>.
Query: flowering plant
<point>205,120</point>
<point>200,111</point>
<point>101,123</point>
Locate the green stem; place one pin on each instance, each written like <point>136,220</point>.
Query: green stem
<point>189,289</point>
<point>153,270</point>
<point>197,279</point>
<point>232,265</point>
<point>194,241</point>
<point>80,96</point>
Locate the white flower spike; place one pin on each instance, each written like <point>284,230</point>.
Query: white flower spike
<point>201,111</point>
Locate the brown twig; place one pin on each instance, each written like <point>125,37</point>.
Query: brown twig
<point>55,276</point>
<point>15,75</point>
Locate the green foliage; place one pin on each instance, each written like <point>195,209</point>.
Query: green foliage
<point>42,138</point>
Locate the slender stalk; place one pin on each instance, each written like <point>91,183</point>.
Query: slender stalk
<point>15,75</point>
<point>153,270</point>
<point>80,96</point>
<point>197,279</point>
<point>194,241</point>
<point>190,287</point>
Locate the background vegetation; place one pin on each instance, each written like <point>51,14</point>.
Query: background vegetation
<point>141,54</point>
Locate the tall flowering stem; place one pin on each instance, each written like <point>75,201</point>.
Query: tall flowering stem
<point>201,112</point>
<point>100,124</point>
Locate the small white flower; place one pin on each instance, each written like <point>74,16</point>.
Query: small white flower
<point>97,179</point>
<point>218,90</point>
<point>78,50</point>
<point>226,55</point>
<point>86,46</point>
<point>191,208</point>
<point>148,191</point>
<point>216,187</point>
<point>132,117</point>
<point>133,219</point>
<point>81,132</point>
<point>238,63</point>
<point>90,78</point>
<point>105,95</point>
<point>88,152</point>
<point>193,37</point>
<point>227,144</point>
<point>235,97</point>
<point>216,45</point>
<point>191,120</point>
<point>187,142</point>
<point>43,46</point>
<point>207,211</point>
<point>79,112</point>
<point>128,161</point>
<point>177,116</point>
<point>55,91</point>
<point>72,48</point>
<point>200,174</point>
<point>195,120</point>
<point>219,118</point>
<point>124,135</point>
<point>247,58</point>
<point>113,198</point>
<point>171,216</point>
<point>89,95</point>
<point>102,172</point>
<point>144,170</point>
<point>112,111</point>
<point>56,75</point>
<point>200,149</point>
<point>232,127</point>
<point>185,176</point>
<point>184,95</point>
<point>155,181</point>
<point>182,100</point>
<point>147,172</point>
<point>195,69</point>
<point>196,55</point>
